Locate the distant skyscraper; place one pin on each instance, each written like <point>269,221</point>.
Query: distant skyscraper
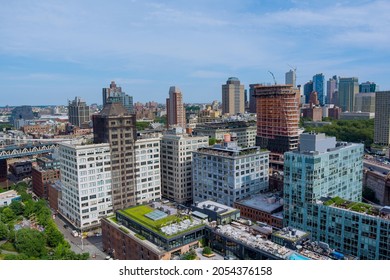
<point>252,98</point>
<point>368,87</point>
<point>307,89</point>
<point>116,126</point>
<point>277,117</point>
<point>365,102</point>
<point>78,112</point>
<point>21,112</point>
<point>331,90</point>
<point>348,88</point>
<point>382,118</point>
<point>319,87</point>
<point>233,100</point>
<point>176,115</point>
<point>291,78</point>
<point>114,91</point>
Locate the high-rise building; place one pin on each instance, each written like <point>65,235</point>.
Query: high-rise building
<point>78,112</point>
<point>365,102</point>
<point>291,78</point>
<point>331,90</point>
<point>176,159</point>
<point>307,89</point>
<point>116,126</point>
<point>227,173</point>
<point>176,115</point>
<point>233,100</point>
<point>319,87</point>
<point>382,118</point>
<point>348,88</point>
<point>277,108</point>
<point>252,98</point>
<point>115,91</point>
<point>148,173</point>
<point>21,113</point>
<point>368,87</point>
<point>322,195</point>
<point>85,184</point>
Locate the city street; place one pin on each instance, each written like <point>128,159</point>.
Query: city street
<point>92,244</point>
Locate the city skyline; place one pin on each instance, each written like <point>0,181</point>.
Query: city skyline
<point>51,52</point>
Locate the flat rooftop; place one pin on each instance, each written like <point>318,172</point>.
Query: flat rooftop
<point>8,194</point>
<point>268,202</point>
<point>215,206</point>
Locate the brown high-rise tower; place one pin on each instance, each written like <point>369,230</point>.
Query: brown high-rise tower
<point>277,109</point>
<point>116,126</point>
<point>175,109</point>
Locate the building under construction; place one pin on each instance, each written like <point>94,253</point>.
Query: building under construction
<point>277,109</point>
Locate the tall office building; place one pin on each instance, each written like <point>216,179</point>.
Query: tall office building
<point>115,91</point>
<point>233,100</point>
<point>21,113</point>
<point>85,184</point>
<point>226,173</point>
<point>307,89</point>
<point>176,115</point>
<point>319,87</point>
<point>365,102</point>
<point>78,112</point>
<point>176,159</point>
<point>368,87</point>
<point>116,126</point>
<point>291,78</point>
<point>382,118</point>
<point>348,88</point>
<point>252,98</point>
<point>277,108</point>
<point>331,90</point>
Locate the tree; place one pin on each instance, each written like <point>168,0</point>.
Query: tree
<point>4,231</point>
<point>7,215</point>
<point>212,141</point>
<point>17,207</point>
<point>207,251</point>
<point>30,242</point>
<point>53,236</point>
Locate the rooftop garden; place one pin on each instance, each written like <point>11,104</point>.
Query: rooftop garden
<point>137,213</point>
<point>350,205</point>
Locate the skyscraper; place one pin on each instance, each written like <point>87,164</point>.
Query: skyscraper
<point>348,88</point>
<point>291,78</point>
<point>382,118</point>
<point>78,112</point>
<point>277,108</point>
<point>307,89</point>
<point>331,90</point>
<point>114,91</point>
<point>319,87</point>
<point>175,109</point>
<point>365,102</point>
<point>116,126</point>
<point>368,87</point>
<point>233,100</point>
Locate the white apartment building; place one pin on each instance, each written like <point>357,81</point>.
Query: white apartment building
<point>176,159</point>
<point>148,173</point>
<point>85,184</point>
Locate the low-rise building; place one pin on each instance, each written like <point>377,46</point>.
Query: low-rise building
<point>6,198</point>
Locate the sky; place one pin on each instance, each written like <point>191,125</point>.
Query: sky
<point>52,51</point>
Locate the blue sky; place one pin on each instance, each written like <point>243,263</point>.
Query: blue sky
<point>52,51</point>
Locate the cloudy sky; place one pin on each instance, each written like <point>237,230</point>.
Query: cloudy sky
<point>52,51</point>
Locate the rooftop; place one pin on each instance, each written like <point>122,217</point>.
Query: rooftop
<point>216,207</point>
<point>8,194</point>
<point>269,202</point>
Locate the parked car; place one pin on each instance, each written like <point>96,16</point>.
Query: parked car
<point>75,233</point>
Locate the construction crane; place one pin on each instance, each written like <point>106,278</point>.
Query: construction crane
<point>273,76</point>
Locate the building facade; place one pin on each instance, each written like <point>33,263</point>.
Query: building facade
<point>332,89</point>
<point>291,78</point>
<point>348,88</point>
<point>233,99</point>
<point>176,115</point>
<point>78,112</point>
<point>116,92</point>
<point>148,168</point>
<point>116,126</point>
<point>277,110</point>
<point>86,192</point>
<point>382,118</point>
<point>365,102</point>
<point>319,87</point>
<point>176,168</point>
<point>228,173</point>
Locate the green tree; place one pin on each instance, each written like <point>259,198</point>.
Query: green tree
<point>53,236</point>
<point>30,242</point>
<point>7,215</point>
<point>4,231</point>
<point>212,141</point>
<point>207,251</point>
<point>17,207</point>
